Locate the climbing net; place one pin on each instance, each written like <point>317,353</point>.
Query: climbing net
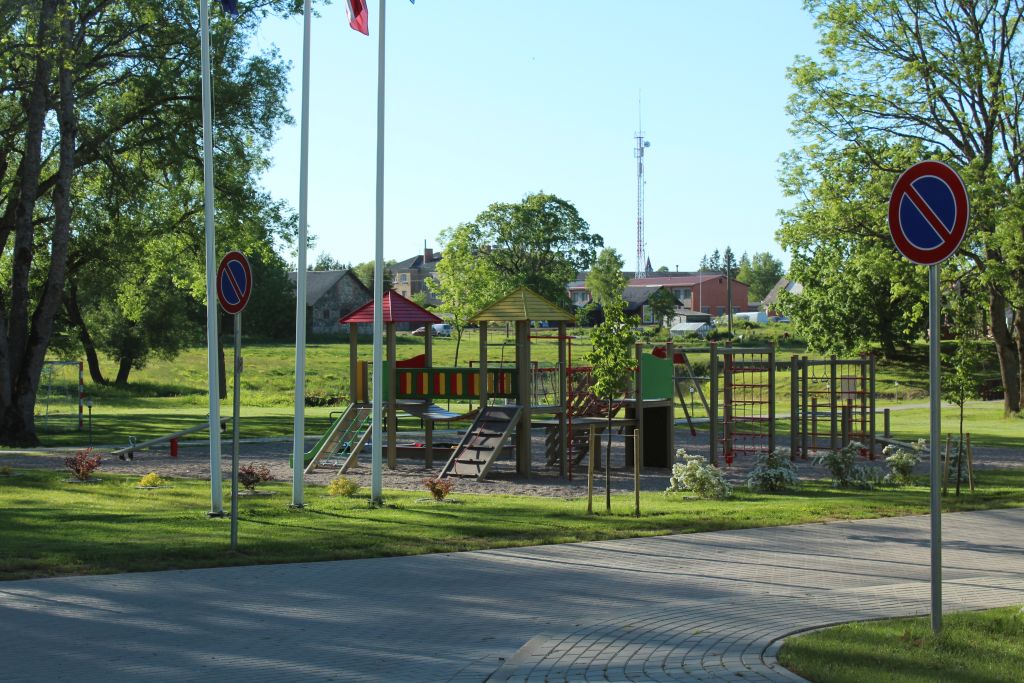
<point>747,423</point>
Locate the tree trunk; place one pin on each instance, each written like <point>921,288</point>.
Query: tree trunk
<point>1018,333</point>
<point>1009,361</point>
<point>92,358</point>
<point>124,368</point>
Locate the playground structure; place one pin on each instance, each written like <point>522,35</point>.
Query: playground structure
<point>61,396</point>
<point>738,395</point>
<point>837,392</point>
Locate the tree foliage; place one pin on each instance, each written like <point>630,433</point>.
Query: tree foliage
<point>760,272</point>
<point>946,76</point>
<point>605,280</point>
<point>541,242</point>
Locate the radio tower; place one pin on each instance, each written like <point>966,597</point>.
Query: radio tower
<point>638,152</point>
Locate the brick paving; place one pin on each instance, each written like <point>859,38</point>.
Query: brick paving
<point>699,607</point>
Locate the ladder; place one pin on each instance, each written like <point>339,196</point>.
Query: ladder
<point>476,452</point>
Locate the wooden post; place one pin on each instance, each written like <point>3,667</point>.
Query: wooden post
<point>713,414</point>
<point>833,403</point>
<point>523,443</point>
<point>483,364</point>
<point>727,403</point>
<point>970,463</point>
<point>428,424</point>
<point>638,390</point>
<point>850,415</point>
<point>844,429</point>
<point>563,433</point>
<point>591,457</point>
<point>945,466</point>
<point>353,361</point>
<point>771,401</point>
<point>638,453</point>
<point>392,400</point>
<point>887,422</point>
<point>872,405</point>
<point>814,422</point>
<point>804,379</point>
<point>794,406</point>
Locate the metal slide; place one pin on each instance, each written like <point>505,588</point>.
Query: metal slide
<point>352,422</point>
<point>476,452</point>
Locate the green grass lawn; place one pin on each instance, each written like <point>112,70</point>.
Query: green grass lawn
<point>973,647</point>
<point>51,527</point>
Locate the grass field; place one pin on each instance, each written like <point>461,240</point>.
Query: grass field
<point>974,647</point>
<point>52,527</point>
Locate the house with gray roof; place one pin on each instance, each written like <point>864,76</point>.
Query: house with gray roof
<point>331,295</point>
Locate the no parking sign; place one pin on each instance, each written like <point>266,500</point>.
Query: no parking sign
<point>234,282</point>
<point>928,212</point>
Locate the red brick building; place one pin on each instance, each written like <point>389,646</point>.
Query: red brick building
<point>704,292</point>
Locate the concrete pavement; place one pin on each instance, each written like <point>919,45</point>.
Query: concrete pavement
<point>695,607</point>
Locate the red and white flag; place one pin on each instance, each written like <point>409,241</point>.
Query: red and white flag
<point>358,17</point>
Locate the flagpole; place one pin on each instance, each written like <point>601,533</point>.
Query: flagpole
<point>298,441</point>
<point>216,501</point>
<point>378,279</point>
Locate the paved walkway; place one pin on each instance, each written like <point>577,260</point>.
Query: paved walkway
<point>697,607</point>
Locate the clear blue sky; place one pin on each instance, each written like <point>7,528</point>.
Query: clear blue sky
<point>489,101</point>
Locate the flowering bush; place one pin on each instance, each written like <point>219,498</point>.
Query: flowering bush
<point>252,474</point>
<point>846,472</point>
<point>772,472</point>
<point>693,474</point>
<point>82,464</point>
<point>342,486</point>
<point>439,488</point>
<point>151,480</point>
<point>902,462</point>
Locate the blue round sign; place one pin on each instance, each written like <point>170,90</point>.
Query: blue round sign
<point>928,212</point>
<point>234,282</point>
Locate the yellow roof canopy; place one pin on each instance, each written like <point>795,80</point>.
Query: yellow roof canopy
<point>522,304</point>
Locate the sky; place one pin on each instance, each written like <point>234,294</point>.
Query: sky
<point>489,101</point>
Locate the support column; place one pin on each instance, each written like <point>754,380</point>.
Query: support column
<point>353,362</point>
<point>428,424</point>
<point>523,445</point>
<point>563,369</point>
<point>392,400</point>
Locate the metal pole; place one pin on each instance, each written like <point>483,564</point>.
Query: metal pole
<point>936,428</point>
<point>299,424</point>
<point>216,502</point>
<point>794,405</point>
<point>833,403</point>
<point>235,431</point>
<point>376,494</point>
<point>713,414</point>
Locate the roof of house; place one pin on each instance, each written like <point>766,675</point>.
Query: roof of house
<point>419,262</point>
<point>636,296</point>
<point>522,304</point>
<point>784,284</point>
<point>397,309</point>
<point>318,282</point>
<point>667,279</point>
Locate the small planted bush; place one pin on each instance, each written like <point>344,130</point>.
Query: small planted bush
<point>342,486</point>
<point>439,488</point>
<point>901,463</point>
<point>772,472</point>
<point>252,474</point>
<point>152,480</point>
<point>846,471</point>
<point>82,464</point>
<point>692,474</point>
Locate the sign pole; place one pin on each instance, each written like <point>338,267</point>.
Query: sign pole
<point>935,436</point>
<point>235,430</point>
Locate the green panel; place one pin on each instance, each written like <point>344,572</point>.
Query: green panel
<point>655,377</point>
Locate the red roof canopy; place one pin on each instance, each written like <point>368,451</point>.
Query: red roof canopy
<point>397,309</point>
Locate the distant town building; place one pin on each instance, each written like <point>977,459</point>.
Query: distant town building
<point>331,294</point>
<point>410,276</point>
<point>771,300</point>
<point>695,292</point>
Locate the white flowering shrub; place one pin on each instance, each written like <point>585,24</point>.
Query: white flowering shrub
<point>692,474</point>
<point>846,471</point>
<point>901,463</point>
<point>772,472</point>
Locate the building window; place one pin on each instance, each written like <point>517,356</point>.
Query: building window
<point>403,277</point>
<point>721,310</point>
<point>705,309</point>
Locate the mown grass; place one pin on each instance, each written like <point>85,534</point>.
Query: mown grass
<point>52,527</point>
<point>973,647</point>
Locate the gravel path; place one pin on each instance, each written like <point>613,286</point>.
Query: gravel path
<point>193,462</point>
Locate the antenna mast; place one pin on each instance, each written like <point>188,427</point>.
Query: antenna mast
<point>638,152</point>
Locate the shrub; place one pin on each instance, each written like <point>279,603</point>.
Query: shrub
<point>252,474</point>
<point>901,463</point>
<point>82,464</point>
<point>772,472</point>
<point>151,480</point>
<point>846,472</point>
<point>6,471</point>
<point>439,488</point>
<point>342,486</point>
<point>693,474</point>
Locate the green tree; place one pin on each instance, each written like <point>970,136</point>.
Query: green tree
<point>540,242</point>
<point>762,273</point>
<point>743,269</point>
<point>945,76</point>
<point>613,362</point>
<point>465,282</point>
<point>663,306</point>
<point>857,289</point>
<point>325,261</point>
<point>605,280</point>
<point>365,271</point>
